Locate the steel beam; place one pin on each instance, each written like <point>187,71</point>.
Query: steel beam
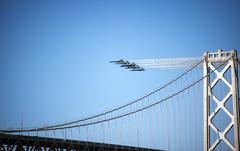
<point>18,142</point>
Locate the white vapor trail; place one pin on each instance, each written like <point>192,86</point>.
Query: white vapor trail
<point>168,63</point>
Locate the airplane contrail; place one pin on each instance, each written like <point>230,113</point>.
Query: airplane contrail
<point>168,63</point>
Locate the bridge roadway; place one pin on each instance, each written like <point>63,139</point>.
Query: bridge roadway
<point>10,142</point>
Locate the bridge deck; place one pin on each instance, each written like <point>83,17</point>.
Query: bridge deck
<point>11,142</point>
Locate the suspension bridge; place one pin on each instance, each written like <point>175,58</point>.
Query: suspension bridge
<point>198,110</point>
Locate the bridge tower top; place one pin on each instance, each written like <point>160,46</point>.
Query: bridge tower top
<point>220,56</point>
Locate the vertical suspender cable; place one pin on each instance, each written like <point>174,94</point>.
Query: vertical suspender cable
<point>177,136</point>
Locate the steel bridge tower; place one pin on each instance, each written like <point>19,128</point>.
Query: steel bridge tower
<point>211,80</point>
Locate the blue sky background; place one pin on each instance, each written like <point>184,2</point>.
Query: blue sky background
<point>54,55</point>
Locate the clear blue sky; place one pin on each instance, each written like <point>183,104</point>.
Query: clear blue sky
<point>54,55</point>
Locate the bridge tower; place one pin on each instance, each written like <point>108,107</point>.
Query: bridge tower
<point>212,79</point>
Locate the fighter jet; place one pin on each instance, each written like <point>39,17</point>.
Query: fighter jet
<point>121,61</point>
<point>125,64</point>
<point>139,69</point>
<point>136,67</point>
<point>128,65</point>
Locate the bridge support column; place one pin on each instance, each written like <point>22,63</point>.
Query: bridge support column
<point>213,134</point>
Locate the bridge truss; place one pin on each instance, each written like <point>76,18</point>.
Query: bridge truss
<point>33,143</point>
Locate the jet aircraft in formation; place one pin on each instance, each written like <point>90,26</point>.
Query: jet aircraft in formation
<point>128,65</point>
